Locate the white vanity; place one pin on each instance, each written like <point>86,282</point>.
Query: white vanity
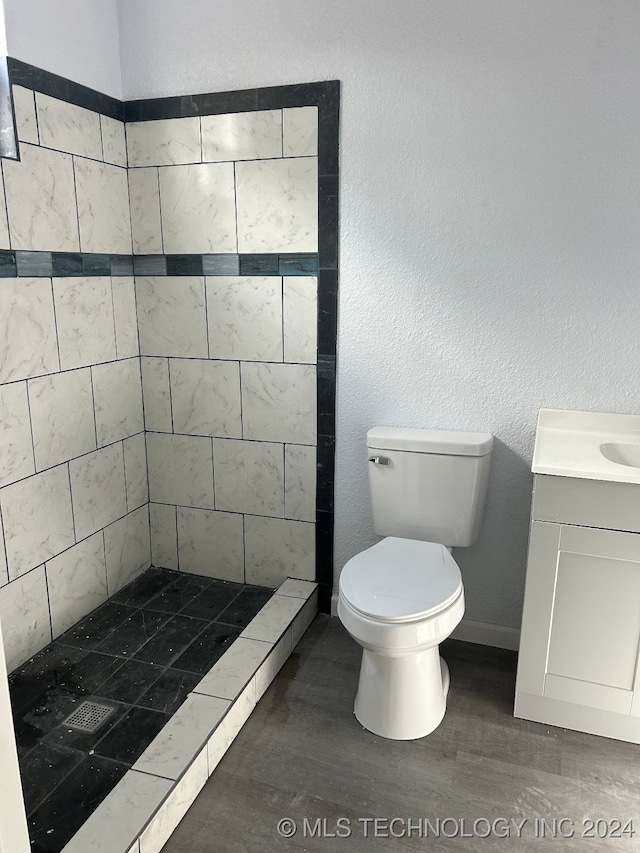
<point>579,661</point>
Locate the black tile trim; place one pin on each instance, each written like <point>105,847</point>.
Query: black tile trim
<point>23,74</point>
<point>8,267</point>
<point>23,263</point>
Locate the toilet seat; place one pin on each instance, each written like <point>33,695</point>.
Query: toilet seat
<point>401,580</point>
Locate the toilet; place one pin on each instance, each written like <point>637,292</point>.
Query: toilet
<point>403,596</point>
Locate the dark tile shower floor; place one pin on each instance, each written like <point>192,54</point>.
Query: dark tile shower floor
<point>140,653</point>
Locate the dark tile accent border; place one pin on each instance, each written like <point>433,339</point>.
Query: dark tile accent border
<point>259,265</point>
<point>8,268</point>
<point>23,74</point>
<point>22,263</point>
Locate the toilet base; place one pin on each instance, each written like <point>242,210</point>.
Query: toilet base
<point>402,698</point>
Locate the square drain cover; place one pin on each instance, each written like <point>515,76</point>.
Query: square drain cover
<point>88,717</point>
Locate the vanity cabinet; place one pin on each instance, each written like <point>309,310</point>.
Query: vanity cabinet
<point>579,660</point>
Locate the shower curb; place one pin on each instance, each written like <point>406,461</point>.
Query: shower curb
<point>142,811</point>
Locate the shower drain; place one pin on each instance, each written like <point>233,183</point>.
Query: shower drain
<point>88,717</point>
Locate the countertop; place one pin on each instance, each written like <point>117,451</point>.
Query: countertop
<point>571,444</point>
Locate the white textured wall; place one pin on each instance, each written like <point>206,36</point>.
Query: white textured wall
<point>77,39</point>
<point>490,246</point>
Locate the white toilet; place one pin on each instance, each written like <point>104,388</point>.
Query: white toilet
<point>402,597</point>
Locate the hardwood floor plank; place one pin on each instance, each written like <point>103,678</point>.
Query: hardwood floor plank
<point>302,754</point>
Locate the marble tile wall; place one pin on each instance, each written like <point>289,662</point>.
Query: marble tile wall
<point>73,469</point>
<point>68,192</point>
<point>230,389</point>
<point>229,362</point>
<point>238,182</point>
<point>213,375</point>
<point>74,516</point>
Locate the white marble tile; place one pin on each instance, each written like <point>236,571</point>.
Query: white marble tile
<point>274,619</point>
<point>279,402</point>
<point>273,664</point>
<point>206,397</point>
<point>67,127</point>
<point>114,143</point>
<point>37,518</point>
<point>103,207</point>
<point>300,319</point>
<point>249,476</point>
<point>175,806</point>
<point>163,142</point>
<point>77,582</point>
<point>180,470</point>
<point>98,489</point>
<point>229,676</point>
<point>300,482</point>
<point>164,536</point>
<point>25,108</point>
<point>135,470</point>
<point>297,589</point>
<point>210,544</point>
<point>62,417</point>
<point>84,314</point>
<point>157,395</point>
<point>28,343</point>
<point>245,317</point>
<point>16,448</point>
<point>5,242</point>
<point>198,208</point>
<point>300,131</point>
<point>235,719</point>
<point>242,136</point>
<point>277,205</point>
<point>183,737</point>
<point>127,549</point>
<point>125,317</point>
<point>277,549</point>
<point>304,619</point>
<point>144,197</point>
<point>24,616</point>
<point>172,317</point>
<point>41,200</point>
<point>117,392</point>
<point>122,815</point>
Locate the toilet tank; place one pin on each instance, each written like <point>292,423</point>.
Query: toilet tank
<point>428,484</point>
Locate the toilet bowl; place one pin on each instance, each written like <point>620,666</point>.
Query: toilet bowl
<point>399,600</point>
<point>402,597</point>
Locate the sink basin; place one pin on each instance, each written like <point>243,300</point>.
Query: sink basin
<point>588,445</point>
<point>621,454</point>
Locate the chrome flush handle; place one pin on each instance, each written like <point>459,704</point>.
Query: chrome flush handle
<point>380,460</point>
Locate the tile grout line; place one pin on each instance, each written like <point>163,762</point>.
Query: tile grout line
<point>75,194</point>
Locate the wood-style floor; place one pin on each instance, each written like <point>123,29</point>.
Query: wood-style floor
<point>302,755</point>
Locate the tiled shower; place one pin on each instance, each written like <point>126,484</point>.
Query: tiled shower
<point>167,357</point>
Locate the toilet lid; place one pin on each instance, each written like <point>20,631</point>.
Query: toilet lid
<point>401,579</point>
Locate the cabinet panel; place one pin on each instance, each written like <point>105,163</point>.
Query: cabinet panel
<point>590,503</point>
<point>595,628</point>
<point>544,542</point>
<point>586,694</point>
<point>581,622</point>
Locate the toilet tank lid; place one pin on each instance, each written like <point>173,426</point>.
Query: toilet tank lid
<point>446,442</point>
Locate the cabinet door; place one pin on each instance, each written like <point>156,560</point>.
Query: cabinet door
<point>581,625</point>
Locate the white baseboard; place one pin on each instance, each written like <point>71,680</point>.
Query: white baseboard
<point>487,634</point>
<point>469,631</point>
